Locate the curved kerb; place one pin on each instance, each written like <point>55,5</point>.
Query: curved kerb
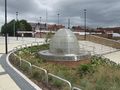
<point>45,71</point>
<point>21,74</point>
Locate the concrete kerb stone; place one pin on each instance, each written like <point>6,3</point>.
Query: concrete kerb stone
<point>21,74</point>
<point>27,79</point>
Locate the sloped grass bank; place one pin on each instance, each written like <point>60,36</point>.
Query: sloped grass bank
<point>99,74</point>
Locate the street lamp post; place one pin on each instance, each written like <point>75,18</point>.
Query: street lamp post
<point>16,16</point>
<point>46,19</point>
<point>58,20</point>
<point>68,23</point>
<point>6,47</point>
<point>40,26</point>
<point>14,29</point>
<point>17,28</point>
<point>85,22</point>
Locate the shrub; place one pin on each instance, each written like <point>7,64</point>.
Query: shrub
<point>15,60</point>
<point>85,69</point>
<point>100,74</point>
<point>55,82</point>
<point>25,67</point>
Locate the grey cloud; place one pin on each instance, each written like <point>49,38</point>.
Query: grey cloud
<point>99,12</point>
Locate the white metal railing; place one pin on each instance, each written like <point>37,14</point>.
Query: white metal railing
<point>44,70</point>
<point>75,88</point>
<point>27,68</point>
<point>59,78</point>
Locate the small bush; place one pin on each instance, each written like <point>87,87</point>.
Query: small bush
<point>85,69</point>
<point>100,74</point>
<point>55,82</point>
<point>25,67</point>
<point>15,60</point>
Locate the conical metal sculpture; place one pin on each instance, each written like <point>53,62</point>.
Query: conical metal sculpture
<point>64,47</point>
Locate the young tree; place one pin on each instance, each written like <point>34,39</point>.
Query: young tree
<point>18,25</point>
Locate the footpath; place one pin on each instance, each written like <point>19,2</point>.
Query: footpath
<point>115,56</point>
<point>9,78</point>
<point>6,82</point>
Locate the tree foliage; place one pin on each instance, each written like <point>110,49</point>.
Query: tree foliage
<point>9,28</point>
<point>21,25</point>
<point>25,26</point>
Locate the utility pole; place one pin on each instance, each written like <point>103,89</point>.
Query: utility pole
<point>85,22</point>
<point>6,47</point>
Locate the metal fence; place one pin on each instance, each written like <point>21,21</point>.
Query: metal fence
<point>59,82</point>
<point>39,73</point>
<point>25,66</point>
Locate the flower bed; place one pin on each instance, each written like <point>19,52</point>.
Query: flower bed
<point>99,74</point>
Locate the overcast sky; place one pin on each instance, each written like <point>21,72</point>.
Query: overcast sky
<point>99,12</point>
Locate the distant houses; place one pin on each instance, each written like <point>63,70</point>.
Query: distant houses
<point>44,26</point>
<point>113,29</point>
<point>40,30</point>
<point>103,32</point>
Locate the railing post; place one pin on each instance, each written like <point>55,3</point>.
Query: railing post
<point>75,88</point>
<point>45,71</point>
<point>70,86</point>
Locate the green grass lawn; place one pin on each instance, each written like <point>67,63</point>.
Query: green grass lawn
<point>99,74</point>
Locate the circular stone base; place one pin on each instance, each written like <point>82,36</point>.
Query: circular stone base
<point>66,57</point>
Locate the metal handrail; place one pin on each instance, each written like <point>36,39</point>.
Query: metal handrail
<point>75,88</point>
<point>27,62</point>
<point>61,79</point>
<point>45,71</point>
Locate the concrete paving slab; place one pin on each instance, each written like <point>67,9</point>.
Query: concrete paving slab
<point>95,48</point>
<point>6,83</point>
<point>13,42</point>
<point>98,49</point>
<point>8,77</point>
<point>115,56</point>
<point>1,69</point>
